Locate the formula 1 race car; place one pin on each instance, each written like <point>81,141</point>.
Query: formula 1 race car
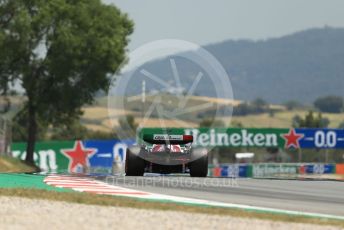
<point>164,153</point>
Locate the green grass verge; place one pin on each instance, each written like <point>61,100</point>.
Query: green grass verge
<point>10,164</point>
<point>27,181</point>
<point>105,200</point>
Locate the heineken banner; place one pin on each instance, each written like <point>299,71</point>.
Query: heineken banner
<point>263,170</point>
<point>262,137</point>
<point>75,156</point>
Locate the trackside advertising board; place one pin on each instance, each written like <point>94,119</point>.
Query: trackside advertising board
<point>99,156</point>
<point>262,137</point>
<point>74,156</point>
<point>260,170</point>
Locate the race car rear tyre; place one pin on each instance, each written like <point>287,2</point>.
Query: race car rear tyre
<point>134,165</point>
<point>199,167</point>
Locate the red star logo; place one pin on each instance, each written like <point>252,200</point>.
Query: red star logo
<point>292,139</point>
<point>79,155</point>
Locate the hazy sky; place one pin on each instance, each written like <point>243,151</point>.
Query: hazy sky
<point>209,21</point>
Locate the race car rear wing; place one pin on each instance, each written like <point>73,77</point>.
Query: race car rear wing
<point>167,139</point>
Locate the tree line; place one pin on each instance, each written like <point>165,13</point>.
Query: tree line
<point>61,53</point>
<point>326,104</point>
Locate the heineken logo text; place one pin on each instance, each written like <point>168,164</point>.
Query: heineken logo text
<point>240,138</point>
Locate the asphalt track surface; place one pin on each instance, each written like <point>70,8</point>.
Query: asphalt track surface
<point>325,197</point>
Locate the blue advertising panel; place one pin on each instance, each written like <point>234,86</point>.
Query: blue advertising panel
<point>320,168</point>
<point>321,138</point>
<point>243,170</point>
<point>224,171</point>
<point>107,151</point>
<point>234,170</point>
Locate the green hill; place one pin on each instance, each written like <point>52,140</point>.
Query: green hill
<point>302,66</point>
